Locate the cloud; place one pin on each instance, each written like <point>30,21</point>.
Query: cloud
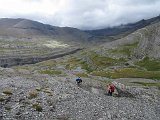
<point>83,14</point>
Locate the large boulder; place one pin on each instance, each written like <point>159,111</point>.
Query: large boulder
<point>122,90</point>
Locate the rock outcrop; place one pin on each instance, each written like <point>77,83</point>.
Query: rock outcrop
<point>149,44</point>
<point>147,40</point>
<point>13,61</point>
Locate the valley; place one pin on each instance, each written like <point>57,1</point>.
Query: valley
<point>38,72</point>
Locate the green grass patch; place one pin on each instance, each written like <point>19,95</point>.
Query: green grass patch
<point>103,61</point>
<point>38,89</point>
<point>8,108</point>
<point>67,66</point>
<point>125,49</point>
<point>48,63</point>
<point>38,107</point>
<point>51,72</point>
<point>86,66</point>
<point>47,90</point>
<point>33,94</point>
<point>106,61</point>
<point>75,62</point>
<point>92,61</point>
<point>2,99</point>
<point>133,45</point>
<point>151,65</point>
<point>128,73</point>
<point>72,63</point>
<point>7,92</point>
<point>148,84</point>
<point>81,75</point>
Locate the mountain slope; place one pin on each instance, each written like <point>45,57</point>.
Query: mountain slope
<point>149,45</point>
<point>146,40</point>
<point>29,29</point>
<point>28,94</point>
<point>123,30</point>
<point>44,40</point>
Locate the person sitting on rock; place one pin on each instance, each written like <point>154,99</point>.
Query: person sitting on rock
<point>110,89</point>
<point>78,80</point>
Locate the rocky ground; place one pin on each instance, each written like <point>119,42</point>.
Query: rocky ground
<point>32,96</point>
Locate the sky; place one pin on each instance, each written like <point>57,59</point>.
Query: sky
<point>82,14</point>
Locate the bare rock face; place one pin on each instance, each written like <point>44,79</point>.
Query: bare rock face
<point>147,39</point>
<point>149,44</point>
<point>12,61</point>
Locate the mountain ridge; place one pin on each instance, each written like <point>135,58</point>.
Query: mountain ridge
<point>131,27</point>
<point>25,28</point>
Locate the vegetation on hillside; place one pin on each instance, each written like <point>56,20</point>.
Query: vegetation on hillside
<point>148,84</point>
<point>125,49</point>
<point>149,64</point>
<point>128,73</point>
<point>51,72</point>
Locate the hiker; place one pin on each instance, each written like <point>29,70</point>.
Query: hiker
<point>78,80</point>
<point>110,89</point>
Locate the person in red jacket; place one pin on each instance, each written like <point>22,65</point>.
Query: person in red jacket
<point>111,89</point>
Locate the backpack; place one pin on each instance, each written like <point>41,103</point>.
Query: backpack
<point>112,88</point>
<point>79,80</point>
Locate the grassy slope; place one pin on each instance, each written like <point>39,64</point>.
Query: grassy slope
<point>30,47</point>
<point>150,65</point>
<point>87,60</point>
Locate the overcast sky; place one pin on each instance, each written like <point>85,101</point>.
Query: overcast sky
<point>83,14</point>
